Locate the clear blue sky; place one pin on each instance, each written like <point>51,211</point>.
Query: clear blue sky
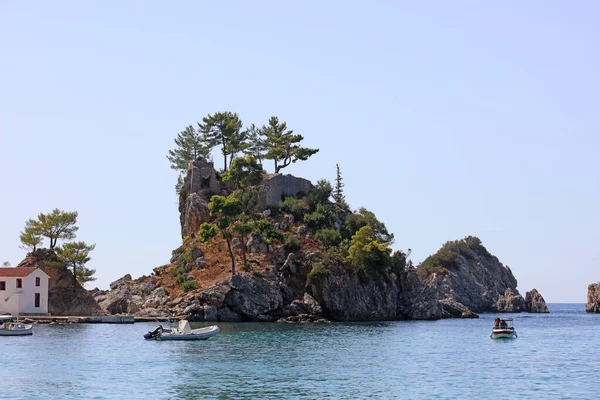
<point>447,119</point>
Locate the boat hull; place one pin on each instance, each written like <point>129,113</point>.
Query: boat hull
<point>503,334</point>
<point>196,334</point>
<point>26,331</point>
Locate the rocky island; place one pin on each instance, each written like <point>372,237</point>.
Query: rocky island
<point>300,276</point>
<point>259,246</point>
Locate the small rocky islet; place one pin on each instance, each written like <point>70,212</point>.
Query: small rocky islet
<point>295,278</point>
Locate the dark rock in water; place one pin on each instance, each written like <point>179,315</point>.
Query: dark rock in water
<point>350,297</point>
<point>593,298</point>
<point>452,309</point>
<point>534,302</point>
<point>226,315</point>
<point>65,295</point>
<point>303,318</point>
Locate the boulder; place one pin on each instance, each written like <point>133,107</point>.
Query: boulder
<point>210,313</point>
<point>226,315</point>
<point>453,309</point>
<point>200,263</point>
<point>256,244</point>
<point>593,298</point>
<point>251,296</point>
<point>534,302</point>
<point>312,305</point>
<point>510,302</point>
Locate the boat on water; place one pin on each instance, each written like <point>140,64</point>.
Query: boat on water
<point>8,328</point>
<point>182,331</point>
<point>504,329</point>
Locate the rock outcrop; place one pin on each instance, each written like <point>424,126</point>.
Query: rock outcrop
<point>65,296</point>
<point>143,297</point>
<point>535,303</point>
<point>593,298</point>
<point>200,183</point>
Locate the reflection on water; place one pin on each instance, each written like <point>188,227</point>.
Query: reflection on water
<point>554,357</point>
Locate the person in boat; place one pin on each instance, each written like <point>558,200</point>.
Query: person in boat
<point>497,323</point>
<point>503,324</point>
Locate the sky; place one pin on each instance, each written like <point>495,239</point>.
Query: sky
<point>447,119</point>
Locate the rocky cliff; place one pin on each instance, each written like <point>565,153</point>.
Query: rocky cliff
<point>64,296</point>
<point>593,298</point>
<point>292,276</point>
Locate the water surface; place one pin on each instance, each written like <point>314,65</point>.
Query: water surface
<point>556,356</point>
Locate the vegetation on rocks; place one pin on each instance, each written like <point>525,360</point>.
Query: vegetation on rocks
<point>447,257</point>
<point>60,225</point>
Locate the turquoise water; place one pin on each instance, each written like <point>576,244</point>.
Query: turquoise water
<point>556,356</point>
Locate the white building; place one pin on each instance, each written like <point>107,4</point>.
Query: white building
<point>23,291</point>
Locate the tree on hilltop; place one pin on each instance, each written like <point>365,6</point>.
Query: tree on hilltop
<point>244,172</point>
<point>191,145</point>
<point>283,147</point>
<point>55,225</point>
<point>30,237</point>
<point>338,193</point>
<point>225,129</point>
<point>256,144</point>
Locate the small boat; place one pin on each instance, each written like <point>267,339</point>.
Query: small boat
<point>503,329</point>
<point>8,328</point>
<point>182,331</point>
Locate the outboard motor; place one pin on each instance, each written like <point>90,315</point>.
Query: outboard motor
<point>155,333</point>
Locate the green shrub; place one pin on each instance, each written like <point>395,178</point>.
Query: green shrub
<point>365,217</point>
<point>189,285</point>
<point>268,231</point>
<point>447,257</point>
<point>366,252</point>
<point>320,194</point>
<point>320,218</point>
<point>328,237</point>
<point>207,232</point>
<point>317,272</point>
<point>292,243</point>
<point>297,207</point>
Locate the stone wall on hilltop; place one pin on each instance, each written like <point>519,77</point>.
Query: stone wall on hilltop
<point>275,186</point>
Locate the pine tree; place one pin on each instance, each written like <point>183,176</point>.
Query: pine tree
<point>75,255</point>
<point>30,237</point>
<point>338,193</point>
<point>56,225</point>
<point>282,145</point>
<point>225,129</point>
<point>191,144</point>
<point>256,145</point>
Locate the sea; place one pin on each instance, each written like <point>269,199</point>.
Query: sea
<point>556,356</point>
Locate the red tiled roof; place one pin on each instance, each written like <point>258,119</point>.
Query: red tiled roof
<point>16,272</point>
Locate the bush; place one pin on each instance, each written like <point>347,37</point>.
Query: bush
<point>328,237</point>
<point>189,285</point>
<point>320,194</point>
<point>365,217</point>
<point>320,218</point>
<point>207,232</point>
<point>446,258</point>
<point>317,272</point>
<point>292,243</point>
<point>268,231</point>
<point>366,252</point>
<point>296,207</point>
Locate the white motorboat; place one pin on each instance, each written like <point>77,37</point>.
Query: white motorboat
<point>8,328</point>
<point>503,329</point>
<point>182,331</point>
